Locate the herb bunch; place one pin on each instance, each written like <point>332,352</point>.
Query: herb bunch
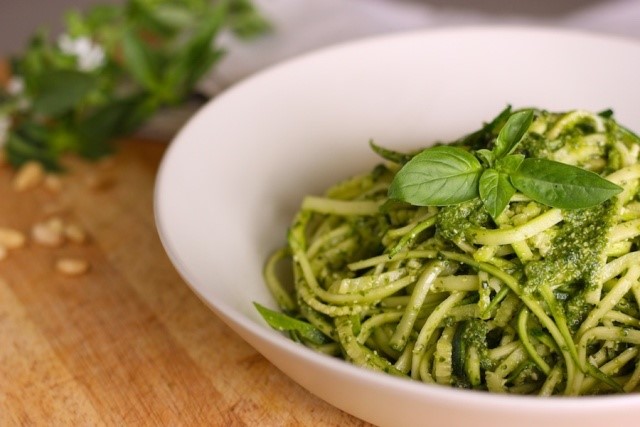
<point>112,69</point>
<point>448,175</point>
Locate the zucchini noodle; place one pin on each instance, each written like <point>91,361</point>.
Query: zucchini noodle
<point>540,300</point>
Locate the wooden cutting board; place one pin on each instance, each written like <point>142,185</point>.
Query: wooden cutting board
<point>127,343</point>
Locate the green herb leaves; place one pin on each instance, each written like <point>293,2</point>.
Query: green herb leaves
<point>562,186</point>
<point>512,132</point>
<point>442,175</point>
<point>495,191</point>
<point>447,175</point>
<point>495,187</point>
<point>62,90</point>
<point>111,69</point>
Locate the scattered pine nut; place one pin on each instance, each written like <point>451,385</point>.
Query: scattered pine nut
<point>53,183</point>
<point>55,223</point>
<point>11,239</point>
<point>75,233</point>
<point>72,266</point>
<point>3,252</point>
<point>48,233</point>
<point>30,175</point>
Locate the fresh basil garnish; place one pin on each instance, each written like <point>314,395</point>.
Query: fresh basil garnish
<point>495,191</point>
<point>391,155</point>
<point>560,185</point>
<point>441,175</point>
<point>512,132</point>
<point>448,175</point>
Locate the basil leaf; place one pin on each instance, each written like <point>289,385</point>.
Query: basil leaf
<point>29,142</point>
<point>486,156</point>
<point>245,21</point>
<point>140,61</point>
<point>607,114</point>
<point>284,323</point>
<point>512,132</point>
<point>118,118</point>
<point>560,185</point>
<point>195,58</point>
<point>392,156</point>
<point>510,163</point>
<point>495,191</point>
<point>483,136</point>
<point>437,176</point>
<point>62,90</point>
<point>173,16</point>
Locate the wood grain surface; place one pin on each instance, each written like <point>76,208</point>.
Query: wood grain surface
<point>127,343</point>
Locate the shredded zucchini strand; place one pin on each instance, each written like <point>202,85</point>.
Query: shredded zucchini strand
<point>539,301</point>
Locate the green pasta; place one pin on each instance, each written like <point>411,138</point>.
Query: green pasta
<point>530,298</point>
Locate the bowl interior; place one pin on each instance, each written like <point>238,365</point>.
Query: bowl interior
<point>234,176</point>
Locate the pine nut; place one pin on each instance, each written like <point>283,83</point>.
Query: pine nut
<point>55,223</point>
<point>11,239</point>
<point>53,183</point>
<point>3,252</point>
<point>47,234</point>
<point>72,266</point>
<point>29,176</point>
<point>75,233</point>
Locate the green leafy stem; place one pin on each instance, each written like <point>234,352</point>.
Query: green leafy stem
<point>448,175</point>
<point>112,68</point>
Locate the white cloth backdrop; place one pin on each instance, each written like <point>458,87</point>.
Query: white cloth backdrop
<point>303,25</point>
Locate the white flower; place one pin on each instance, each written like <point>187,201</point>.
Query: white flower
<point>15,86</point>
<point>89,55</point>
<point>5,124</point>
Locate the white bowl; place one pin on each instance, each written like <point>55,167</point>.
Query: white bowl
<point>233,177</point>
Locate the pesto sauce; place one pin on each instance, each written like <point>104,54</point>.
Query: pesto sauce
<point>454,220</point>
<point>578,253</point>
<point>579,144</point>
<point>573,256</point>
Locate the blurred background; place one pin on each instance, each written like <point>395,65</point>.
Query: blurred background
<point>20,18</point>
<point>301,25</point>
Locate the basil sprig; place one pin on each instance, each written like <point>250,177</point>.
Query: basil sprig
<point>110,70</point>
<point>448,175</point>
